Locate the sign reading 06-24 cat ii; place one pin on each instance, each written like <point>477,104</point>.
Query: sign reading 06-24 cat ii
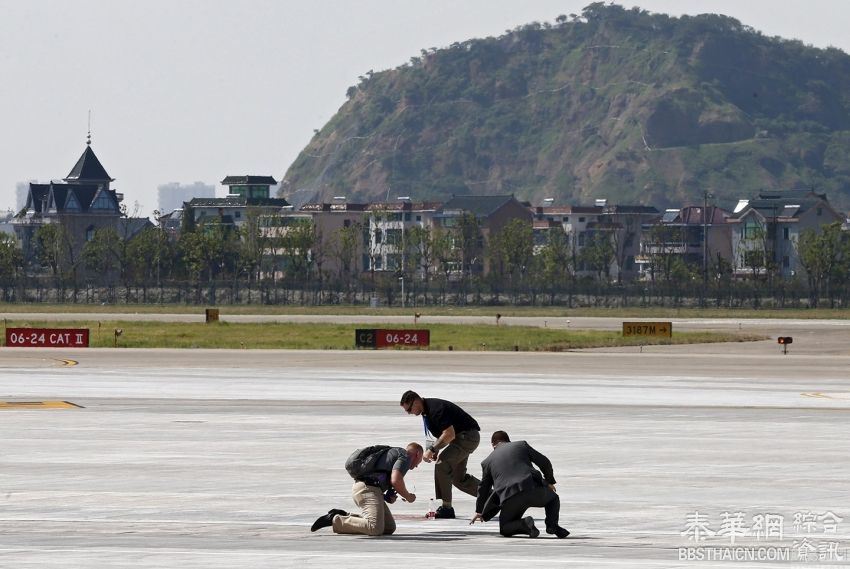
<point>47,337</point>
<point>648,329</point>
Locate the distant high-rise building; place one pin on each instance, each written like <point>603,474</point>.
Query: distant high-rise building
<point>171,196</point>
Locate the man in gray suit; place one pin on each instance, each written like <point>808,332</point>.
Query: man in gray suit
<point>510,482</point>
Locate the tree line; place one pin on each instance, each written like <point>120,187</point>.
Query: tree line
<point>215,263</point>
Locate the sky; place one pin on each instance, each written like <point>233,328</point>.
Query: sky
<point>196,90</point>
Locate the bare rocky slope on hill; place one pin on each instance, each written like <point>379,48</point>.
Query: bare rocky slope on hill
<point>621,104</point>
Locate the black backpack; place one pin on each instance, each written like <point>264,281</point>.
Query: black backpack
<point>362,461</point>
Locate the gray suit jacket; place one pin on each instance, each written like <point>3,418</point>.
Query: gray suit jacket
<point>507,472</point>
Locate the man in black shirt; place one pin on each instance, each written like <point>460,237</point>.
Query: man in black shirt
<point>457,436</point>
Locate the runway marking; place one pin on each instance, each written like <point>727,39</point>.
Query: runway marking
<point>39,405</point>
<point>69,362</point>
<point>820,395</point>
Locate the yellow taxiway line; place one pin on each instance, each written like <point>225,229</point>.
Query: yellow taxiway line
<point>38,405</point>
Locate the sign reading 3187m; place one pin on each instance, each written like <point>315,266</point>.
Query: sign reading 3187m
<point>47,337</point>
<point>648,329</point>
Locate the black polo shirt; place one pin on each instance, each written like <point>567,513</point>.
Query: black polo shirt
<point>441,414</point>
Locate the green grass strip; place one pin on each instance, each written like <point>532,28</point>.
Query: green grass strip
<point>315,336</point>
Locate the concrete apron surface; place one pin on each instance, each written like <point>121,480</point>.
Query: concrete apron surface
<point>215,458</point>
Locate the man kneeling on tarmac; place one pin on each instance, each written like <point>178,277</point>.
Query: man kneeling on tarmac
<point>378,473</point>
<point>510,482</point>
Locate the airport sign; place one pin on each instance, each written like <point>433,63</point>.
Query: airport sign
<point>47,337</point>
<point>663,329</point>
<point>383,338</point>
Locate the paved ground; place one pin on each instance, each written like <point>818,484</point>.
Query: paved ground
<point>222,459</point>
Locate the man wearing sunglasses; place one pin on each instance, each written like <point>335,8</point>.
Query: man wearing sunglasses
<point>457,436</point>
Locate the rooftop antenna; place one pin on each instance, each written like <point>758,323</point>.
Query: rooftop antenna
<point>88,137</point>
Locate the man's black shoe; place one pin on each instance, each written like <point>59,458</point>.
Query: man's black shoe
<point>558,531</point>
<point>444,513</point>
<point>528,522</point>
<point>327,520</point>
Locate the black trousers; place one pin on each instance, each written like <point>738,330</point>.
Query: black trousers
<point>513,510</point>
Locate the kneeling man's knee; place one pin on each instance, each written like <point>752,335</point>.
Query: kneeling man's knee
<point>374,526</point>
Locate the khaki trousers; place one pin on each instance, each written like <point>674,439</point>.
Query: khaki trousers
<point>451,466</point>
<point>375,518</point>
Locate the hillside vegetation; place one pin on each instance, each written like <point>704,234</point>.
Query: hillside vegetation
<point>635,107</point>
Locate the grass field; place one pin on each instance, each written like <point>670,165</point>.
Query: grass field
<point>341,337</point>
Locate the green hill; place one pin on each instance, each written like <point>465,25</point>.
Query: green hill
<point>613,103</point>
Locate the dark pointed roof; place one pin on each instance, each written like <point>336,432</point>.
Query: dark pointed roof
<point>693,215</point>
<point>37,196</point>
<point>632,209</point>
<point>88,169</point>
<point>479,206</point>
<point>784,204</point>
<point>242,180</point>
<point>132,226</point>
<point>43,197</point>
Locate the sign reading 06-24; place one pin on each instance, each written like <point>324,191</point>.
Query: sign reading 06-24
<point>648,329</point>
<point>382,338</point>
<point>47,337</point>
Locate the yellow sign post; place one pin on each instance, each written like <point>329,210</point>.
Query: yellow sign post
<point>664,329</point>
